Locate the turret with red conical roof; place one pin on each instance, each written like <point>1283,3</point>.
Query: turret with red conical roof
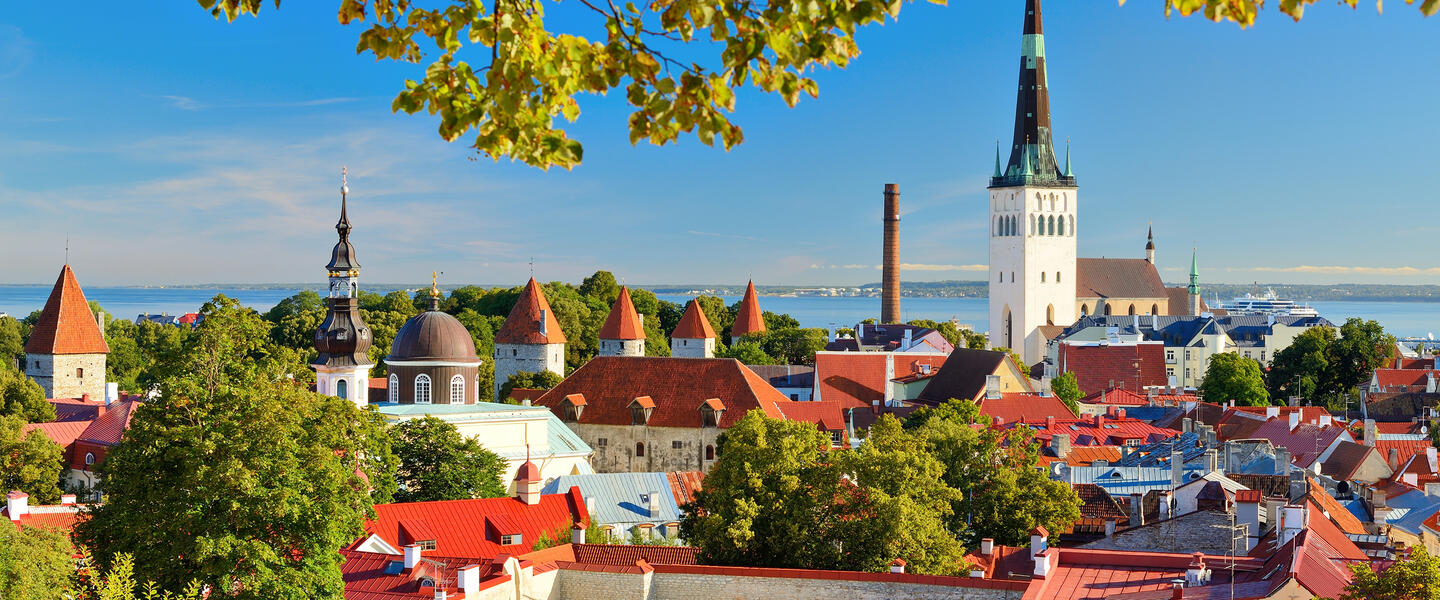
<point>66,350</point>
<point>530,341</point>
<point>693,336</point>
<point>624,331</point>
<point>748,318</point>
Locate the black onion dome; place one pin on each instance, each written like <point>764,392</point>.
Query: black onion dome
<point>343,339</point>
<point>433,335</point>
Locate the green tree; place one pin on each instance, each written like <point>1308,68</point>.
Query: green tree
<point>1230,376</point>
<point>236,476</point>
<point>747,352</point>
<point>1413,578</point>
<point>526,380</point>
<point>126,358</point>
<point>720,316</point>
<point>12,340</point>
<point>1067,388</point>
<point>437,463</point>
<point>1303,368</point>
<point>792,346</point>
<point>294,321</point>
<point>21,396</point>
<point>1363,346</point>
<point>778,321</point>
<point>601,286</point>
<point>29,462</point>
<point>965,412</point>
<point>35,563</point>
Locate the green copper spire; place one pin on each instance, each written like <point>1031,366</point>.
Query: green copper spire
<point>1025,168</point>
<point>1194,287</point>
<point>1068,172</point>
<point>997,159</point>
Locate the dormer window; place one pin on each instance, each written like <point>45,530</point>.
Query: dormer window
<point>574,405</point>
<point>640,410</point>
<point>711,411</point>
<point>510,540</point>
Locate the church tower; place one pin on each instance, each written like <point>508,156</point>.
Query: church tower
<point>66,350</point>
<point>1150,246</point>
<point>342,368</point>
<point>624,331</point>
<point>1192,295</point>
<point>1032,215</point>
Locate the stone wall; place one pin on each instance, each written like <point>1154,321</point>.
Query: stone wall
<point>616,451</point>
<point>1204,531</point>
<point>622,347</point>
<point>526,358</point>
<point>692,348</point>
<point>57,374</point>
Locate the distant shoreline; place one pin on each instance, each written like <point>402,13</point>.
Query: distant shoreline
<point>927,289</point>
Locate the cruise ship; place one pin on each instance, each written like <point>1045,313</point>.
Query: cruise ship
<point>1269,304</point>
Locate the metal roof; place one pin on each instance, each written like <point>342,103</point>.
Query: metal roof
<point>622,499</point>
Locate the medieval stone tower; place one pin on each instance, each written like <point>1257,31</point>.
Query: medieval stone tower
<point>531,340</point>
<point>66,351</point>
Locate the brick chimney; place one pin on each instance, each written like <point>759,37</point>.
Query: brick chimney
<point>890,277</point>
<point>1060,443</point>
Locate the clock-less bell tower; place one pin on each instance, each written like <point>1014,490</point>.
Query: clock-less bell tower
<point>343,367</point>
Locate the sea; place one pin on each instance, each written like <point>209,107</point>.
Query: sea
<point>1402,319</point>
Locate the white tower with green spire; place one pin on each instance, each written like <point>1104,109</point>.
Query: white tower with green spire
<point>1032,216</point>
<point>1192,306</point>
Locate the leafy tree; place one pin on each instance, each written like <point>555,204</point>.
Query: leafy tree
<point>965,412</point>
<point>21,396</point>
<point>777,322</point>
<point>526,380</point>
<point>437,463</point>
<point>601,286</point>
<point>1303,368</point>
<point>1230,376</point>
<point>1412,578</point>
<point>747,352</point>
<point>1244,12</point>
<point>126,358</point>
<point>959,338</point>
<point>669,314</point>
<point>792,346</point>
<point>236,476</point>
<point>295,319</point>
<point>720,316</point>
<point>158,343</point>
<point>35,563</point>
<point>1363,346</point>
<point>29,462</point>
<point>12,340</point>
<point>1067,388</point>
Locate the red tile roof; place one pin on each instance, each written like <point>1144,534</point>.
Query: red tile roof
<point>1128,397</point>
<point>1128,366</point>
<point>365,577</point>
<point>1080,573</point>
<point>1109,432</point>
<point>1402,380</point>
<point>678,386</point>
<point>111,426</point>
<point>1330,507</point>
<point>61,432</point>
<point>1003,562</point>
<point>1017,406</point>
<point>694,325</point>
<point>860,378</point>
<point>623,323</point>
<point>66,325</point>
<point>963,375</point>
<point>523,324</point>
<point>75,409</point>
<point>829,415</point>
<point>684,484</point>
<point>1306,442</point>
<point>1096,503</point>
<point>464,528</point>
<point>748,318</point>
<point>1398,428</point>
<point>45,516</point>
<point>627,555</point>
<point>1118,278</point>
<point>1404,449</point>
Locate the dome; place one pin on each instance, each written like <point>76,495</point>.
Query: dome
<point>433,335</point>
<point>528,472</point>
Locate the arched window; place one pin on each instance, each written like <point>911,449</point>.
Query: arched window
<point>1052,201</point>
<point>79,373</point>
<point>457,390</point>
<point>1064,201</point>
<point>1132,309</point>
<point>709,452</point>
<point>1012,277</point>
<point>1084,310</point>
<point>1072,225</point>
<point>341,389</point>
<point>1042,277</point>
<point>1057,277</point>
<point>1154,309</point>
<point>422,389</point>
<point>89,459</point>
<point>997,227</point>
<point>1032,225</point>
<point>1052,226</point>
<point>1050,315</point>
<point>1107,310</point>
<point>1060,229</point>
<point>639,449</point>
<point>1039,201</point>
<point>392,390</point>
<point>1002,277</point>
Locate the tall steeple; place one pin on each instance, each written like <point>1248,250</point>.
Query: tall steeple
<point>1150,245</point>
<point>342,367</point>
<point>1195,305</point>
<point>1033,142</point>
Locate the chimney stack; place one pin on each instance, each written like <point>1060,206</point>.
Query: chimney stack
<point>412,556</point>
<point>1247,513</point>
<point>469,583</point>
<point>18,504</point>
<point>890,277</point>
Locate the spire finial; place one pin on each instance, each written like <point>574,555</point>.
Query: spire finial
<point>1025,168</point>
<point>67,249</point>
<point>1068,172</point>
<point>434,279</point>
<point>997,158</point>
<point>344,225</point>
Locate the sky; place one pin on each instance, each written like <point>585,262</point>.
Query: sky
<point>172,148</point>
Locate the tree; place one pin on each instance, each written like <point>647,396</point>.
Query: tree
<point>12,340</point>
<point>1230,376</point>
<point>1303,368</point>
<point>1415,577</point>
<point>295,319</point>
<point>1244,12</point>
<point>791,346</point>
<point>29,462</point>
<point>1363,346</point>
<point>747,352</point>
<point>964,412</point>
<point>1067,388</point>
<point>720,316</point>
<point>35,563</point>
<point>601,286</point>
<point>526,380</point>
<point>118,583</point>
<point>437,463</point>
<point>236,476</point>
<point>21,396</point>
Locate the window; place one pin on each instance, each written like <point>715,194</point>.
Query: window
<point>794,396</point>
<point>601,442</point>
<point>639,449</point>
<point>426,544</point>
<point>1187,373</point>
<point>1060,229</point>
<point>1042,277</point>
<point>1132,442</point>
<point>422,389</point>
<point>1072,226</point>
<point>79,373</point>
<point>514,352</point>
<point>510,540</point>
<point>393,389</point>
<point>89,459</point>
<point>1169,371</point>
<point>709,452</point>
<point>677,444</point>
<point>457,390</point>
<point>1057,277</point>
<point>1052,226</point>
<point>1169,356</point>
<point>341,389</point>
<point>1187,355</point>
<point>836,438</point>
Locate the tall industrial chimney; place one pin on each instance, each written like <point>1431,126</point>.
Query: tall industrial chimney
<point>890,279</point>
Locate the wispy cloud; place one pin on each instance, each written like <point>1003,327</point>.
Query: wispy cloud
<point>16,51</point>
<point>183,102</point>
<point>1338,269</point>
<point>192,104</point>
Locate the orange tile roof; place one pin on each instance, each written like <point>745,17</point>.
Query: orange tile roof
<point>1332,508</point>
<point>623,322</point>
<point>523,324</point>
<point>677,386</point>
<point>748,319</point>
<point>858,378</point>
<point>1022,406</point>
<point>466,528</point>
<point>684,484</point>
<point>66,325</point>
<point>694,325</point>
<point>1087,455</point>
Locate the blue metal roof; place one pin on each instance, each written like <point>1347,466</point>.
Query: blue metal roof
<point>1132,480</point>
<point>621,499</point>
<point>1409,510</point>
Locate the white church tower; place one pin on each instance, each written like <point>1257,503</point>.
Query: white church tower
<point>342,367</point>
<point>1032,216</point>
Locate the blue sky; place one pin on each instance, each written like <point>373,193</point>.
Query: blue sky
<point>172,148</point>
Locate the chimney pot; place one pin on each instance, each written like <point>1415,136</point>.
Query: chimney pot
<point>18,504</point>
<point>897,566</point>
<point>987,546</point>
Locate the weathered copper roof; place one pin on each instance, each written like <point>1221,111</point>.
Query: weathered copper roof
<point>748,319</point>
<point>66,325</point>
<point>523,325</point>
<point>623,322</point>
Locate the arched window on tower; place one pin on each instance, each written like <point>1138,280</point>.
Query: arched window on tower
<point>1052,226</point>
<point>1042,277</point>
<point>1060,229</point>
<point>1154,309</point>
<point>422,389</point>
<point>1072,225</point>
<point>640,449</point>
<point>1032,225</point>
<point>393,389</point>
<point>1050,315</point>
<point>1084,310</point>
<point>1107,310</point>
<point>342,389</point>
<point>709,452</point>
<point>457,390</point>
<point>1039,201</point>
<point>1052,201</point>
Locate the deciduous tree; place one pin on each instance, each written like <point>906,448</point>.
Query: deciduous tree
<point>1414,578</point>
<point>526,380</point>
<point>29,462</point>
<point>1067,388</point>
<point>22,397</point>
<point>1230,376</point>
<point>437,463</point>
<point>35,563</point>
